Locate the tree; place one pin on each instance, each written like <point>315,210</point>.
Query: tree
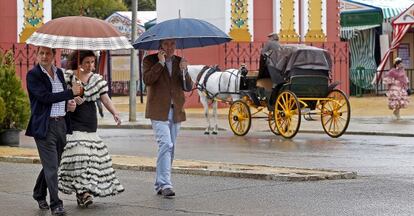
<point>15,100</point>
<point>143,5</point>
<point>91,8</point>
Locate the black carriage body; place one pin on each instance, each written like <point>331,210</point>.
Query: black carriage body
<point>304,69</point>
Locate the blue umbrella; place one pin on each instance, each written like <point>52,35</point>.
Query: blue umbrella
<point>188,33</point>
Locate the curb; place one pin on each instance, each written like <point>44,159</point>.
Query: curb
<point>145,126</point>
<point>363,133</point>
<point>204,168</point>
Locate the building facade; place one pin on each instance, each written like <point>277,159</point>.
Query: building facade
<point>248,22</point>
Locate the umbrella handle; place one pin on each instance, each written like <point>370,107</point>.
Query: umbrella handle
<point>78,81</point>
<point>77,75</point>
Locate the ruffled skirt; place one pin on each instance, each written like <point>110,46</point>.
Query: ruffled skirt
<point>397,97</point>
<point>86,166</point>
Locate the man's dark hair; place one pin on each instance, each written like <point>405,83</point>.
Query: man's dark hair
<point>53,50</point>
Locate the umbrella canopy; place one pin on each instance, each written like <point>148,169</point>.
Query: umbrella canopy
<point>79,33</point>
<point>188,33</point>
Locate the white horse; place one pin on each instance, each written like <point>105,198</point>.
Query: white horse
<point>212,87</point>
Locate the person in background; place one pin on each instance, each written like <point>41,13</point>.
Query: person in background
<point>397,84</point>
<point>271,44</point>
<point>164,76</point>
<point>86,166</point>
<point>49,101</point>
<point>269,57</point>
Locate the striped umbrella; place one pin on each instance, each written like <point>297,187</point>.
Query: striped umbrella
<point>79,33</point>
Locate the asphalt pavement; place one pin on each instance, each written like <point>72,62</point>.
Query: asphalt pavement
<point>369,116</point>
<point>219,196</point>
<point>361,123</point>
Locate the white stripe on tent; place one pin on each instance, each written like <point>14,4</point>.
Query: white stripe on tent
<point>349,32</point>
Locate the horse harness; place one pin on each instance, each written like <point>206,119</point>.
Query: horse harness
<point>209,71</point>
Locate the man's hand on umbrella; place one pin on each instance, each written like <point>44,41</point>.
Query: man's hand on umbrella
<point>183,64</point>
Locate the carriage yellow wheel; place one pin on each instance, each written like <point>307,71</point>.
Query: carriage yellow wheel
<point>240,118</point>
<point>272,123</point>
<point>287,114</point>
<point>335,113</point>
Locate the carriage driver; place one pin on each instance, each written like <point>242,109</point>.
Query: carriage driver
<point>263,78</point>
<point>271,44</point>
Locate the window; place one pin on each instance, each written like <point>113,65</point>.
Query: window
<point>404,54</point>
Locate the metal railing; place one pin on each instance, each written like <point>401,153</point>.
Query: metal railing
<point>362,79</point>
<point>24,58</point>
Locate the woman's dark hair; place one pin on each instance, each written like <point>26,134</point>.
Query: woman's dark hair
<point>73,58</point>
<point>397,63</point>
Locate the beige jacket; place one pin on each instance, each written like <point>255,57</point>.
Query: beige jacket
<point>162,89</point>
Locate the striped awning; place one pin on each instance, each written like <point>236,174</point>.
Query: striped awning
<point>389,13</point>
<point>390,8</point>
<point>347,32</point>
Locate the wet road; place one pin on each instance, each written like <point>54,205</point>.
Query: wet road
<point>368,155</point>
<point>384,185</point>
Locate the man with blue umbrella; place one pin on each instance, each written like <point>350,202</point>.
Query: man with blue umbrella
<point>166,78</point>
<point>164,73</point>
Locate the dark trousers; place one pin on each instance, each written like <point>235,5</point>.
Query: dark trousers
<point>50,152</point>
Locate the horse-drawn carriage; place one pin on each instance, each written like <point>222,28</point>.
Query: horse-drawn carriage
<point>295,82</point>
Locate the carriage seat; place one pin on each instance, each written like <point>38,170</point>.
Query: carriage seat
<point>265,83</point>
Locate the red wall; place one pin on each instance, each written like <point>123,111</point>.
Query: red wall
<point>8,17</point>
<point>263,19</point>
<point>332,23</point>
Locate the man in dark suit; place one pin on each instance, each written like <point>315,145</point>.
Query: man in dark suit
<point>49,123</point>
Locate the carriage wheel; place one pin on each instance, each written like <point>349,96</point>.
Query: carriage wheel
<point>272,123</point>
<point>240,118</point>
<point>335,114</point>
<point>287,114</point>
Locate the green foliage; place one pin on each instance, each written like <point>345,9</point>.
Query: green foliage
<point>91,8</point>
<point>143,5</point>
<point>16,102</point>
<point>2,109</point>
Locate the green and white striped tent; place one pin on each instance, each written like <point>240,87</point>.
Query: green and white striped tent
<point>360,20</point>
<point>389,13</point>
<point>390,8</point>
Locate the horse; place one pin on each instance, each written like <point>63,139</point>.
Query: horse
<point>213,85</point>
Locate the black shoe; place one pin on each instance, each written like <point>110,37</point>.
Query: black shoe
<point>87,200</point>
<point>167,192</point>
<point>43,204</point>
<point>84,200</point>
<point>79,200</point>
<point>59,211</point>
<point>159,192</point>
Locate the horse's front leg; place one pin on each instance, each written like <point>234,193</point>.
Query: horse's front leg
<point>215,130</point>
<point>204,102</point>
